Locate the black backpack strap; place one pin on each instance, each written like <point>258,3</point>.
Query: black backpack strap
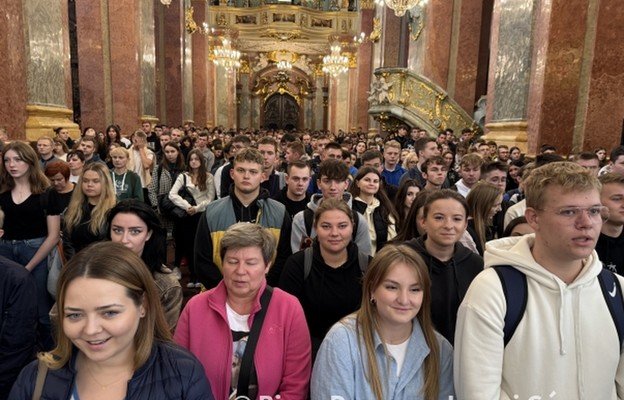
<point>612,292</point>
<point>356,220</point>
<point>516,293</point>
<point>307,262</point>
<point>363,261</point>
<point>247,366</point>
<point>308,215</point>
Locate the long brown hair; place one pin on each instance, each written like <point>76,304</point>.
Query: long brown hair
<point>37,179</point>
<point>387,208</point>
<point>116,263</point>
<point>202,173</point>
<point>480,200</point>
<point>367,317</point>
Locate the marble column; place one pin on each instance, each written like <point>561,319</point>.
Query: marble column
<point>364,69</point>
<point>117,63</point>
<point>555,76</point>
<point>36,87</point>
<point>200,49</point>
<point>511,58</point>
<point>320,102</point>
<point>225,101</point>
<point>244,99</point>
<point>172,106</point>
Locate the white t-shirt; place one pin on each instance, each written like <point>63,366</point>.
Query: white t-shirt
<point>398,351</point>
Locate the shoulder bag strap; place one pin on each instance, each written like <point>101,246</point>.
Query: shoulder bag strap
<point>42,371</point>
<point>246,368</point>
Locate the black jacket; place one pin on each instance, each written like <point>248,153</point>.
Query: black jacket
<point>379,222</point>
<point>449,283</point>
<point>169,373</point>
<point>18,322</point>
<point>328,294</point>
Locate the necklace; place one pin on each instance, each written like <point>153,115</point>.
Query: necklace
<point>102,386</point>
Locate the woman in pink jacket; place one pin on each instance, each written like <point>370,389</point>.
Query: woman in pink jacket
<point>220,326</point>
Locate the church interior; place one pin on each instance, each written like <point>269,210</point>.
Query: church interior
<point>520,72</point>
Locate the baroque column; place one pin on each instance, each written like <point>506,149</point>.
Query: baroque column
<point>37,86</point>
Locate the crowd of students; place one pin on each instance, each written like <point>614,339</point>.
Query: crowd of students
<point>331,266</point>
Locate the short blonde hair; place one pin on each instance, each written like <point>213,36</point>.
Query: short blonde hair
<point>119,152</point>
<point>570,176</point>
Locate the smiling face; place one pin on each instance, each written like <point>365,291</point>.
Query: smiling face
<point>398,298</point>
<point>101,320</point>
<point>369,184</point>
<point>334,231</point>
<point>131,231</point>
<point>445,222</point>
<point>244,272</point>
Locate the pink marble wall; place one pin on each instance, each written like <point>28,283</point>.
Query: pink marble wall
<point>390,39</point>
<point>557,62</point>
<point>364,71</point>
<point>605,113</point>
<point>468,54</point>
<point>124,63</point>
<point>200,94</point>
<point>93,91</point>
<point>437,36</point>
<point>13,86</point>
<point>172,26</point>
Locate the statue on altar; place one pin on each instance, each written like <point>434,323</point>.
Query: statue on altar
<point>380,90</point>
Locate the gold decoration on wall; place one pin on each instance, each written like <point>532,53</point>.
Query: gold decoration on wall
<point>375,34</point>
<point>189,21</point>
<point>367,5</point>
<point>418,101</point>
<point>244,68</point>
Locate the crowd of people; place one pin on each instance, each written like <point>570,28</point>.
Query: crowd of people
<point>322,266</point>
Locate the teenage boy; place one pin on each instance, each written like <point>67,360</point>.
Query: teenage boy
<point>247,202</point>
<point>610,247</point>
<point>565,343</point>
<point>333,182</point>
<point>434,171</point>
<point>295,195</point>
<point>425,148</point>
<point>392,170</point>
<point>470,172</point>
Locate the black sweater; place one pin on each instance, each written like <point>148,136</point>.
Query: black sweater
<point>328,294</point>
<point>449,283</point>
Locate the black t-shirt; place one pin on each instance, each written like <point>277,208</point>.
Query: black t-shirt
<point>28,219</point>
<point>611,252</point>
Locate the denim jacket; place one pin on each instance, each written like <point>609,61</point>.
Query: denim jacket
<point>341,367</point>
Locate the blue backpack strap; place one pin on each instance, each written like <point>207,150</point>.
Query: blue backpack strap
<point>612,292</point>
<point>516,293</point>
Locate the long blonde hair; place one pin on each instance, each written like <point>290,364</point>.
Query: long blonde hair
<point>367,317</point>
<point>77,204</point>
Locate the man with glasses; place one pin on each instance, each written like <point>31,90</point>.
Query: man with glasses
<point>565,344</point>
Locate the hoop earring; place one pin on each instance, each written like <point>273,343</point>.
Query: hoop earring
<point>372,300</point>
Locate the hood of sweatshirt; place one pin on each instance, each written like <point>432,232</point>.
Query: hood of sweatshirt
<point>516,251</point>
<point>316,199</point>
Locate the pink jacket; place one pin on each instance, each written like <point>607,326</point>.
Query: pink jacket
<point>283,355</point>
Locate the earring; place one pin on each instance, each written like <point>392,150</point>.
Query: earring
<point>372,300</point>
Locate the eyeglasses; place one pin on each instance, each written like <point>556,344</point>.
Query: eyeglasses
<point>594,213</point>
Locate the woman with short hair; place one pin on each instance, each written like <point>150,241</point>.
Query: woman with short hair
<point>220,326</point>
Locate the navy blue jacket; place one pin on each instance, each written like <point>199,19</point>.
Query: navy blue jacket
<point>18,322</point>
<point>170,373</point>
